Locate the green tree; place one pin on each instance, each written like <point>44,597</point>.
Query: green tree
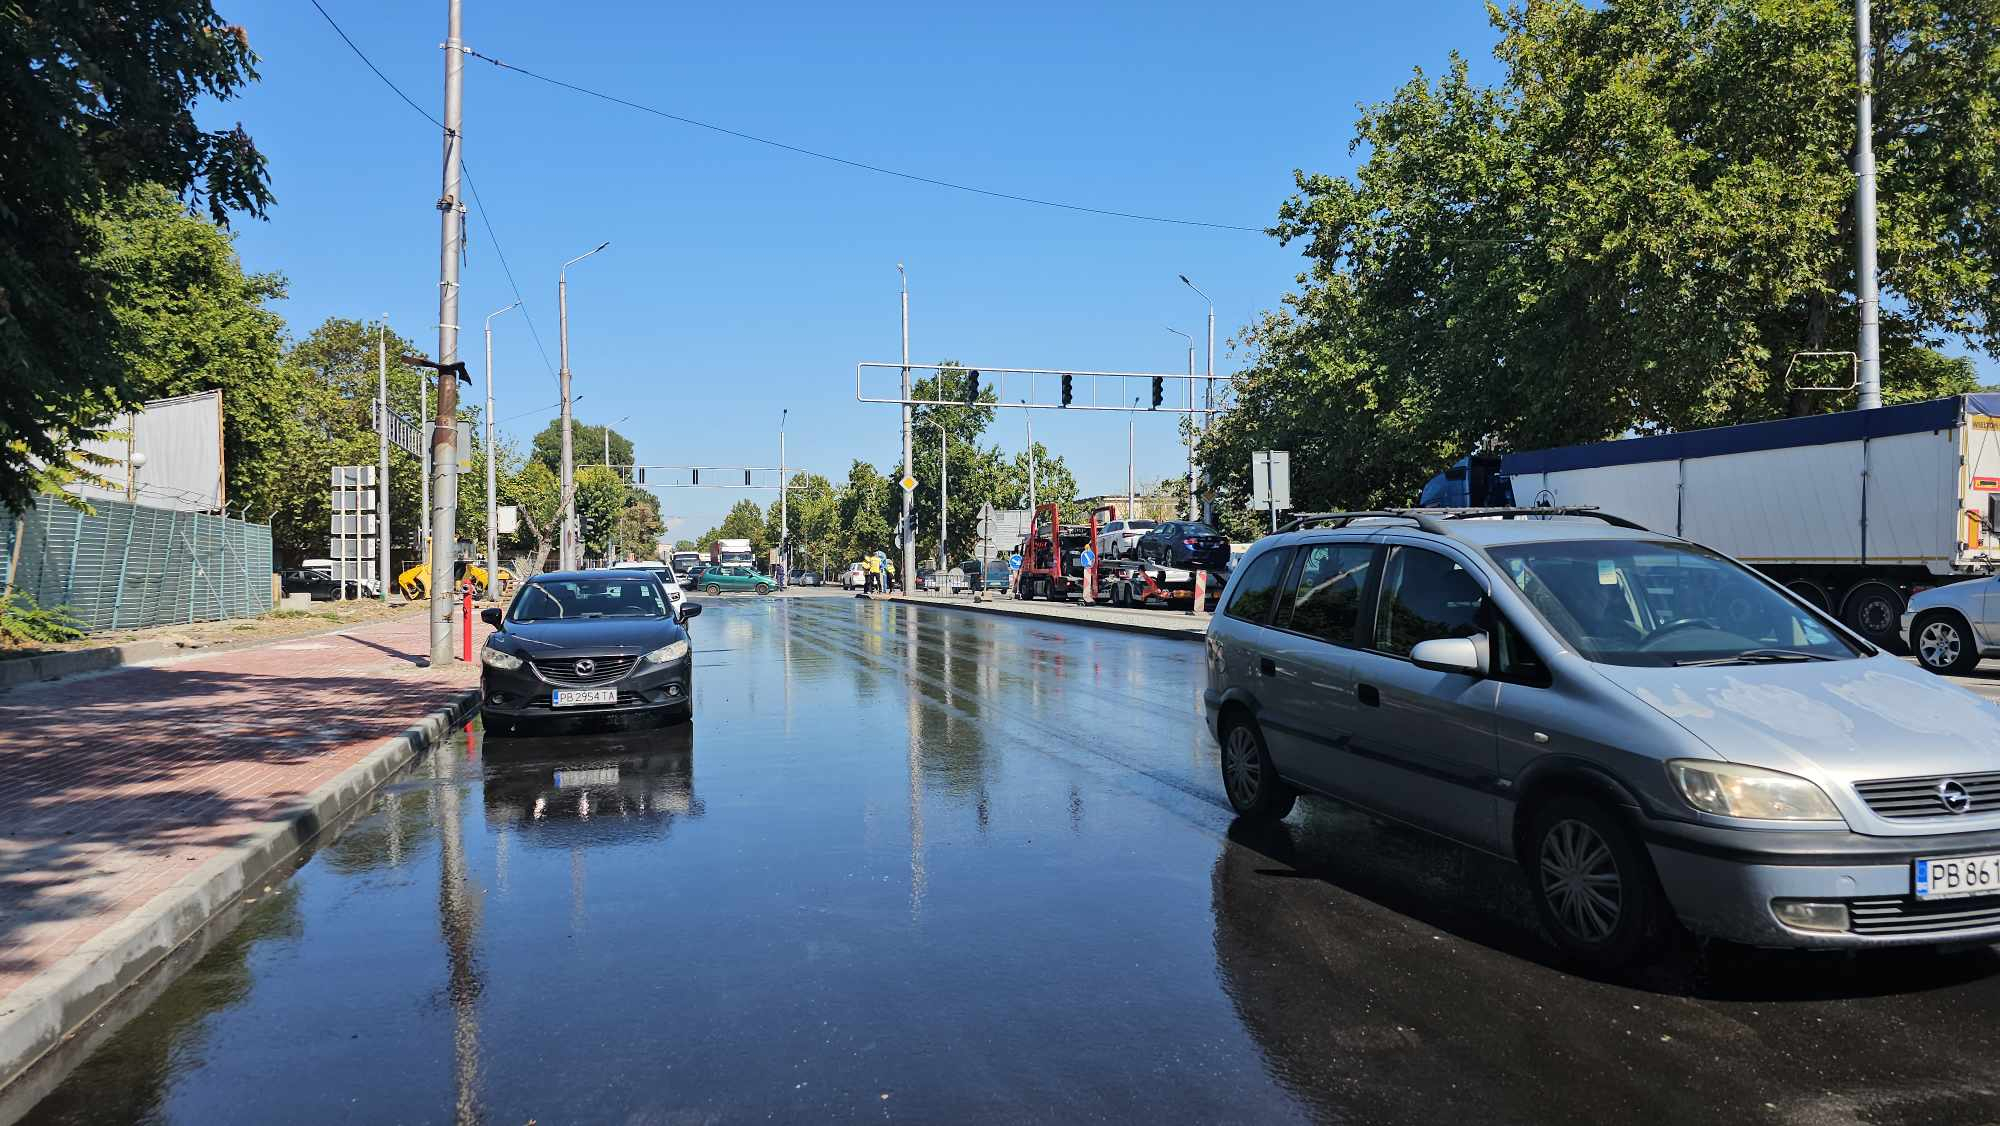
<point>534,490</point>
<point>863,507</point>
<point>586,448</point>
<point>338,362</point>
<point>99,99</point>
<point>1635,229</point>
<point>601,497</point>
<point>814,512</point>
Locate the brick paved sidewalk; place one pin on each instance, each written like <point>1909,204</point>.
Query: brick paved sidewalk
<point>115,787</point>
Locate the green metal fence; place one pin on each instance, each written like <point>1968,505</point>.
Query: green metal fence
<point>130,565</point>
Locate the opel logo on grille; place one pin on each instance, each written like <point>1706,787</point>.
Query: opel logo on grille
<point>1954,795</point>
<point>586,666</point>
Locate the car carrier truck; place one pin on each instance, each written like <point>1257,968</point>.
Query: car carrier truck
<point>1854,512</point>
<point>1053,567</point>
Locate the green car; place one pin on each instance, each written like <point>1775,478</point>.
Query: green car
<point>715,580</point>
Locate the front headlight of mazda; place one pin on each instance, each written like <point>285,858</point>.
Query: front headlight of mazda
<point>673,651</point>
<point>1729,790</point>
<point>498,658</point>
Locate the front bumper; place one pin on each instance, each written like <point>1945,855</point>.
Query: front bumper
<point>522,694</point>
<point>1722,883</point>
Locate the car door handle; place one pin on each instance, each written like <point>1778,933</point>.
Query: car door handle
<point>1268,667</point>
<point>1368,696</point>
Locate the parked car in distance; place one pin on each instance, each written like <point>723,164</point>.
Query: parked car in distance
<point>317,585</point>
<point>998,575</point>
<point>660,571</point>
<point>1663,733</point>
<point>1117,539</point>
<point>808,578</point>
<point>596,643</point>
<point>690,579</point>
<point>734,576</point>
<point>854,578</point>
<point>1183,543</point>
<point>369,587</point>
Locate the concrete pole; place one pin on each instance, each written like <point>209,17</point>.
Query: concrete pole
<point>1029,417</point>
<point>444,435</point>
<point>492,490</point>
<point>909,533</point>
<point>944,494</point>
<point>1870,343</point>
<point>382,459</point>
<point>1208,416</point>
<point>424,440</point>
<point>1190,417</point>
<point>1131,488</point>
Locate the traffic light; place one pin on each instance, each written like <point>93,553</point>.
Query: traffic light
<point>1159,391</point>
<point>746,477</point>
<point>972,386</point>
<point>694,475</point>
<point>1066,388</point>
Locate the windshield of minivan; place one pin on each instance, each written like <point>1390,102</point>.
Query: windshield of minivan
<point>1651,603</point>
<point>636,597</point>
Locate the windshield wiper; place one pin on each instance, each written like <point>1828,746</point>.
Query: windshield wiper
<point>1756,657</point>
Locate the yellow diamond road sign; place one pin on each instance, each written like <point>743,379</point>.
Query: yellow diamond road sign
<point>909,483</point>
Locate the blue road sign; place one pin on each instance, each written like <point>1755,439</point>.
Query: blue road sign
<point>1014,562</point>
<point>1087,558</point>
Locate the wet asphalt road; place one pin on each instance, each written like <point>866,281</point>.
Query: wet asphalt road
<point>922,865</point>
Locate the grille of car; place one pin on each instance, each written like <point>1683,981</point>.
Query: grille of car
<point>1902,798</point>
<point>604,670</point>
<point>1904,915</point>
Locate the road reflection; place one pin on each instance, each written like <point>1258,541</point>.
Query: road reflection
<point>583,790</point>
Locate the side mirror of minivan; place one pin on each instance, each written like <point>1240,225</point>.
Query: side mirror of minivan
<point>1463,655</point>
<point>491,616</point>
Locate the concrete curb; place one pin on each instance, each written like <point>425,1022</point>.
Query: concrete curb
<point>1031,616</point>
<point>53,1005</point>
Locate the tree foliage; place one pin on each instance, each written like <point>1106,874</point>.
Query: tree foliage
<point>586,445</point>
<point>97,99</point>
<point>1635,230</point>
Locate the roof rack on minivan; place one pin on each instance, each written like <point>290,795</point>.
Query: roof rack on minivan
<point>1432,519</point>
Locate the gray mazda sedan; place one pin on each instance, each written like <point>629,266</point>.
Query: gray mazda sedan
<point>587,644</point>
<point>1650,729</point>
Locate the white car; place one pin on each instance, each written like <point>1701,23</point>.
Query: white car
<point>1118,539</point>
<point>665,573</point>
<point>854,578</point>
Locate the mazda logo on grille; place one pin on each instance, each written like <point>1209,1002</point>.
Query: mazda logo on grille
<point>586,666</point>
<point>1954,795</point>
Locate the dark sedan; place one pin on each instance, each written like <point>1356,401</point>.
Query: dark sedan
<point>315,584</point>
<point>587,643</point>
<point>1184,543</point>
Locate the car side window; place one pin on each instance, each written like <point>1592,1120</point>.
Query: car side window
<point>1425,596</point>
<point>1253,594</point>
<point>1326,598</point>
<point>1513,658</point>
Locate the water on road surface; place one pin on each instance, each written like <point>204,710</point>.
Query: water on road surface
<point>915,864</point>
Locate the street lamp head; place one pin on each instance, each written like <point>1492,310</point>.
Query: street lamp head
<point>138,459</point>
<point>1184,280</point>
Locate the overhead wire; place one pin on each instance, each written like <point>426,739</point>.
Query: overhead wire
<point>851,163</point>
<point>465,169</point>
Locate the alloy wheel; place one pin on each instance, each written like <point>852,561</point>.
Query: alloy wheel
<point>1580,880</point>
<point>1938,645</point>
<point>1242,769</point>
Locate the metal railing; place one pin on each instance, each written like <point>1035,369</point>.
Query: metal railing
<point>132,565</point>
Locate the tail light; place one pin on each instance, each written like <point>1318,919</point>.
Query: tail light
<point>1192,543</point>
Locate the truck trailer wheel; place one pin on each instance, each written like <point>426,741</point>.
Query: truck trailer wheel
<point>1875,611</point>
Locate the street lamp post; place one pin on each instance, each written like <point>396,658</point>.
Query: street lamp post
<point>909,533</point>
<point>944,493</point>
<point>1131,487</point>
<point>784,509</point>
<point>1193,500</point>
<point>566,548</point>
<point>1208,506</point>
<point>492,499</point>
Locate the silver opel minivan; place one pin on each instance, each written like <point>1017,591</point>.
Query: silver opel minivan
<point>1650,729</point>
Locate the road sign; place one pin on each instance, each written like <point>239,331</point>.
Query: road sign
<point>405,435</point>
<point>909,483</point>
<point>506,519</point>
<point>1087,558</point>
<point>1271,479</point>
<point>1014,561</point>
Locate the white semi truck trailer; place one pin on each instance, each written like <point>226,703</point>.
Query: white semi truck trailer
<point>1854,511</point>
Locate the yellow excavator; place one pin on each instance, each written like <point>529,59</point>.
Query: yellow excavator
<point>415,582</point>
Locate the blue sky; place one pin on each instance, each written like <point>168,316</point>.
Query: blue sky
<point>742,280</point>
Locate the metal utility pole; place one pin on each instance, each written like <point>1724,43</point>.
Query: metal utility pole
<point>1208,415</point>
<point>382,459</point>
<point>909,533</point>
<point>1029,417</point>
<point>492,498</point>
<point>444,434</point>
<point>944,491</point>
<point>566,553</point>
<point>1131,488</point>
<point>1193,501</point>
<point>1870,344</point>
<point>424,424</point>
<point>784,507</point>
